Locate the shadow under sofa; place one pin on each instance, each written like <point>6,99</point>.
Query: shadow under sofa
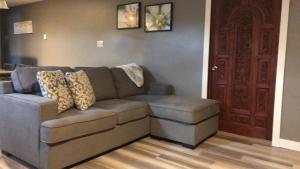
<point>31,129</point>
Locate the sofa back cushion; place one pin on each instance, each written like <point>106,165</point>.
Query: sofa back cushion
<point>102,82</point>
<point>25,78</point>
<point>124,85</point>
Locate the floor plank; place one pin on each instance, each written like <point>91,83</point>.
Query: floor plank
<point>223,151</point>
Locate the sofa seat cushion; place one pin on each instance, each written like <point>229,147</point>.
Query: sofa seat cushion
<point>178,108</point>
<point>102,81</point>
<point>75,123</point>
<point>126,110</point>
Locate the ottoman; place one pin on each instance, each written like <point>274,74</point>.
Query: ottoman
<point>185,120</point>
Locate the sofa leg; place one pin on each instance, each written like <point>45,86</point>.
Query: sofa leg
<point>195,146</point>
<point>5,153</point>
<point>182,144</point>
<point>189,146</point>
<point>175,142</point>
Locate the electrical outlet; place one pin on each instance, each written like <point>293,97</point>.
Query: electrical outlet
<point>45,37</point>
<point>100,44</point>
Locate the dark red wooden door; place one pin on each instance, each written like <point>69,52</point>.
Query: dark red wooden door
<point>243,56</point>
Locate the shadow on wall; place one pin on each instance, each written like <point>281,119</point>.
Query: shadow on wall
<point>14,62</point>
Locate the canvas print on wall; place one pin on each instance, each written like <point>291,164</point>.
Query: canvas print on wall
<point>129,16</point>
<point>23,27</point>
<point>158,17</point>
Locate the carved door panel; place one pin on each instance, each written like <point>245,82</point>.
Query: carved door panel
<point>243,56</point>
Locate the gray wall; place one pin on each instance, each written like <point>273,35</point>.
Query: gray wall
<point>291,100</point>
<point>74,26</point>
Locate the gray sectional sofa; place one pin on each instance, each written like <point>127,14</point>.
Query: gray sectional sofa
<point>31,129</point>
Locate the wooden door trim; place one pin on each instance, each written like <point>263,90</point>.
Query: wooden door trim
<point>279,72</point>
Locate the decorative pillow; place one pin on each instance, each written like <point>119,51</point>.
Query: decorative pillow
<point>54,86</point>
<point>81,88</point>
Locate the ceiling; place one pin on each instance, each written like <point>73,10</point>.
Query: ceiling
<point>12,3</point>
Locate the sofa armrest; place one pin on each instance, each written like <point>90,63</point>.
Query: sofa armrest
<point>6,87</point>
<point>20,118</point>
<point>160,89</point>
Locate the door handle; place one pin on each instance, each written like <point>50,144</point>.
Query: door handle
<point>214,68</point>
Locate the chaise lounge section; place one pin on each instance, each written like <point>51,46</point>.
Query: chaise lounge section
<point>32,130</point>
<point>182,119</point>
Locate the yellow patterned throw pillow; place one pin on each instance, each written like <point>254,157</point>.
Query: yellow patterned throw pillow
<point>81,88</point>
<point>54,86</point>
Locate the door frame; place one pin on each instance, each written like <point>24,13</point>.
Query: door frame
<point>280,64</point>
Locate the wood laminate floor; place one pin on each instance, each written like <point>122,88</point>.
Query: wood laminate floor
<point>223,151</point>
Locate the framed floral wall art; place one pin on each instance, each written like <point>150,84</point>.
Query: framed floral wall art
<point>158,17</point>
<point>129,16</point>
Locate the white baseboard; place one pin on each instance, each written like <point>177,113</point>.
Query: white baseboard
<point>288,144</point>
